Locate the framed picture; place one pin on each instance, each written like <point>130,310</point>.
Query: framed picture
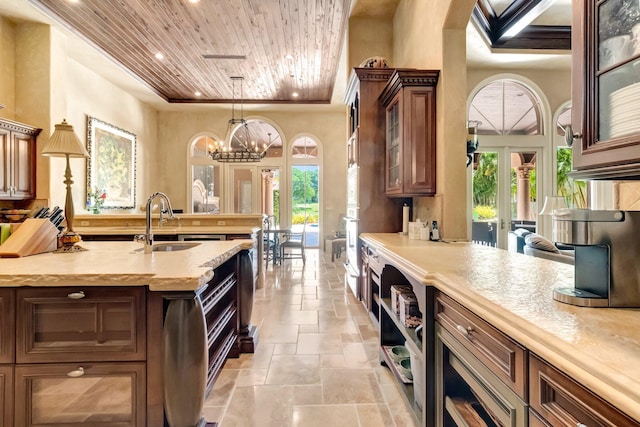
<point>112,164</point>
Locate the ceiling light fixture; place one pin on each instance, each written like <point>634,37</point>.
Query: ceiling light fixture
<point>295,94</point>
<point>197,93</point>
<point>288,56</point>
<point>238,146</point>
<point>159,55</point>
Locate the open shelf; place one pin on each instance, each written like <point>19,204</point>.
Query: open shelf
<point>405,388</point>
<point>414,344</point>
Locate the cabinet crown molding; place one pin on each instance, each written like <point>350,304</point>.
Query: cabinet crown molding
<point>405,77</point>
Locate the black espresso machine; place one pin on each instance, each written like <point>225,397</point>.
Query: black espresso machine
<point>607,252</point>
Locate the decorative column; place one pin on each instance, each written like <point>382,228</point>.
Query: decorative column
<point>267,190</point>
<point>523,191</point>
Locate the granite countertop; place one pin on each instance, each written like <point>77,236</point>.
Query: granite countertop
<point>599,347</point>
<point>122,264</point>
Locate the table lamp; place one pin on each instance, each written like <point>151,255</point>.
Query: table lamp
<point>65,143</point>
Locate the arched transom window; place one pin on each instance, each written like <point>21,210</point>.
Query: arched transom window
<point>304,148</point>
<point>506,107</point>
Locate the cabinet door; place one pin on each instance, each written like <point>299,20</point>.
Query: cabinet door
<point>606,91</point>
<point>8,322</point>
<point>87,394</point>
<point>419,141</point>
<point>563,402</point>
<point>6,395</point>
<point>394,172</point>
<point>23,168</point>
<point>72,324</point>
<point>5,181</point>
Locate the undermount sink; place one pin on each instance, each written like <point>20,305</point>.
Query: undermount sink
<point>171,246</point>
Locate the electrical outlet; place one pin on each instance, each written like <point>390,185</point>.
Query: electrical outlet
<point>222,222</point>
<point>195,222</point>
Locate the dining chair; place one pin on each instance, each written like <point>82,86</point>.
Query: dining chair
<point>268,239</point>
<point>294,241</point>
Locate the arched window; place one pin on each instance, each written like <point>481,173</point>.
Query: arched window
<point>304,147</point>
<point>506,107</point>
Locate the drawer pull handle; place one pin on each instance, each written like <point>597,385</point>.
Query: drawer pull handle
<point>465,331</point>
<point>76,373</point>
<point>76,295</point>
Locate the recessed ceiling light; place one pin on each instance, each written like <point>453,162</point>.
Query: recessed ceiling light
<point>194,1</point>
<point>295,94</point>
<point>288,56</point>
<point>197,94</point>
<point>159,55</point>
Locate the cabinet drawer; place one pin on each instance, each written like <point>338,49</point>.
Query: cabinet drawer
<point>563,402</point>
<point>87,394</point>
<point>503,356</point>
<point>8,322</point>
<point>74,324</point>
<point>6,395</point>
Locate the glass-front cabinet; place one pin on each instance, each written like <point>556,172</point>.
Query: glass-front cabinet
<point>606,91</point>
<point>394,153</point>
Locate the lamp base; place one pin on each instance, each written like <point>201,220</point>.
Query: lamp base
<point>68,242</point>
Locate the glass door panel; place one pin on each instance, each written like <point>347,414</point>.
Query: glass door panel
<point>523,200</point>
<point>205,188</point>
<point>485,198</point>
<point>271,194</point>
<point>304,201</point>
<point>241,189</point>
<point>617,77</point>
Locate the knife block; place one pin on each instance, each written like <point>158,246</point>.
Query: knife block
<point>34,236</point>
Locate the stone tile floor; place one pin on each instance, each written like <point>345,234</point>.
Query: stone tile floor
<point>316,363</point>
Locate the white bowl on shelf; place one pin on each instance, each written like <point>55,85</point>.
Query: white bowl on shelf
<point>399,352</point>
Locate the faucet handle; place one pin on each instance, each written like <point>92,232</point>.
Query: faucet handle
<point>140,238</point>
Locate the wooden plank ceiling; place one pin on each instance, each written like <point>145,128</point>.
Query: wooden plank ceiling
<point>204,43</point>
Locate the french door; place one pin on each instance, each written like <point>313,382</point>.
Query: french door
<point>505,183</point>
<point>254,189</point>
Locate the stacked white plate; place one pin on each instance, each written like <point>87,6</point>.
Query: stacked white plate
<point>625,105</point>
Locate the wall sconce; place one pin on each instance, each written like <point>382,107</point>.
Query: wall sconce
<point>472,139</point>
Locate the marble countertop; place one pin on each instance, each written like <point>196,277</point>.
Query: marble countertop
<point>122,264</point>
<point>599,347</point>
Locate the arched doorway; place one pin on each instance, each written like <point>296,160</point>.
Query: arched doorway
<point>305,187</point>
<point>505,175</point>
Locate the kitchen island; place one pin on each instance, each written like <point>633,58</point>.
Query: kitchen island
<point>495,309</point>
<point>121,336</point>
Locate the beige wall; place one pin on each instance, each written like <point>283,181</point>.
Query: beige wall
<point>422,30</point>
<point>176,130</point>
<point>369,36</point>
<point>7,68</point>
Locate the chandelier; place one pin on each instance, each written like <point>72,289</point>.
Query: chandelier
<point>238,146</point>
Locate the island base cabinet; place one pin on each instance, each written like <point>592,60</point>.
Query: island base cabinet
<point>468,393</point>
<point>80,394</point>
<point>560,401</point>
<point>6,395</point>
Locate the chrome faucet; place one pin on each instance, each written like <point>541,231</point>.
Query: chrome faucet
<point>148,236</point>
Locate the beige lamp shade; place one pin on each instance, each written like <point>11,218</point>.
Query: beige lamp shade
<point>553,203</point>
<point>64,141</point>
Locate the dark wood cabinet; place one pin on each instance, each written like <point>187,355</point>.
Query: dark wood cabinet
<point>606,89</point>
<point>18,160</point>
<point>74,324</point>
<point>7,320</point>
<point>6,395</point>
<point>376,212</point>
<point>80,394</point>
<point>409,99</point>
<point>505,358</point>
<point>561,401</point>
